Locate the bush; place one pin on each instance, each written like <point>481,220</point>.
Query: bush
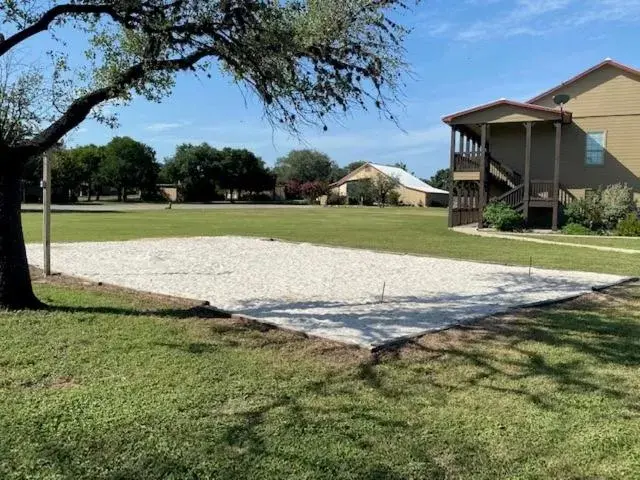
<point>336,199</point>
<point>576,229</point>
<point>603,209</point>
<point>617,203</point>
<point>311,191</point>
<point>393,197</point>
<point>502,217</point>
<point>587,212</point>
<point>629,226</point>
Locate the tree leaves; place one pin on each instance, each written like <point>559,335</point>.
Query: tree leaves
<point>304,60</point>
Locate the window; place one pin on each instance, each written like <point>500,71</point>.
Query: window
<point>595,148</point>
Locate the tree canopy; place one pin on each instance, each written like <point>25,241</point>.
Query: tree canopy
<point>203,170</point>
<point>304,60</point>
<point>440,179</point>
<point>129,164</point>
<point>304,166</point>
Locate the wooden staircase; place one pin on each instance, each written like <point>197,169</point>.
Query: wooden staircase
<point>540,195</point>
<point>504,174</point>
<point>467,204</point>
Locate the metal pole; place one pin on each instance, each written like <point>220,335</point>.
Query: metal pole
<point>46,212</point>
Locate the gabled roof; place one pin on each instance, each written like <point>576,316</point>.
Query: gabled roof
<point>502,101</point>
<point>606,63</point>
<point>405,178</point>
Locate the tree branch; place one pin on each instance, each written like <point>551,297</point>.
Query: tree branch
<point>50,16</point>
<point>80,108</point>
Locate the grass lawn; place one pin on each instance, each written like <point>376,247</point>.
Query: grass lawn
<point>420,231</point>
<point>631,243</point>
<point>111,385</point>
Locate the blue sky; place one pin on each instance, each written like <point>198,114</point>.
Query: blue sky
<point>462,52</point>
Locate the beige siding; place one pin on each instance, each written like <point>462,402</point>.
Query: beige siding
<point>607,100</point>
<point>413,197</point>
<point>504,114</point>
<point>605,92</point>
<point>407,196</point>
<point>622,153</point>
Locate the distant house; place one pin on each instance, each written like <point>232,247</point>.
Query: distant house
<point>538,156</point>
<point>412,190</point>
<point>170,191</point>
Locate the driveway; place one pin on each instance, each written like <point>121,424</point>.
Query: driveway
<point>335,293</point>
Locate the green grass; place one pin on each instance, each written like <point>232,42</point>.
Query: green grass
<point>108,386</point>
<point>631,243</point>
<point>419,231</point>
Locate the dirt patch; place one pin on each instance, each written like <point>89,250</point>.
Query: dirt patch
<point>46,382</point>
<point>62,383</point>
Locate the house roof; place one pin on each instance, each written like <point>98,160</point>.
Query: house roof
<point>530,105</point>
<point>606,63</point>
<point>405,178</point>
<point>502,101</point>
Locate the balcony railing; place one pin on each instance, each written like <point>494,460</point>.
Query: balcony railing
<point>540,192</point>
<point>467,162</point>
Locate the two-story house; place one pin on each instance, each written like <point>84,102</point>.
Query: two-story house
<point>541,154</point>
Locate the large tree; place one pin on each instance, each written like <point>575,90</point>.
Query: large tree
<point>306,166</point>
<point>67,172</point>
<point>196,168</point>
<point>303,59</point>
<point>129,164</point>
<point>91,157</point>
<point>241,170</point>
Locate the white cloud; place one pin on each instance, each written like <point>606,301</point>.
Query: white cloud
<point>163,127</point>
<point>534,17</point>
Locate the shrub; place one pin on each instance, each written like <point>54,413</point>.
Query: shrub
<point>617,202</point>
<point>393,197</point>
<point>336,199</point>
<point>576,229</point>
<point>603,209</point>
<point>310,191</point>
<point>587,212</point>
<point>629,226</point>
<point>502,217</point>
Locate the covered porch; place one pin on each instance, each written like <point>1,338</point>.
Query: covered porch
<point>493,150</point>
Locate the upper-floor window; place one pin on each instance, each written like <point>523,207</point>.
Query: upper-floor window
<point>595,148</point>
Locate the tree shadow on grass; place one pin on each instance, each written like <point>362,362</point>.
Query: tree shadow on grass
<point>176,313</point>
<point>570,347</point>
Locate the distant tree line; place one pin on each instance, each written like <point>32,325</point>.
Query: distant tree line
<point>203,173</point>
<point>122,166</point>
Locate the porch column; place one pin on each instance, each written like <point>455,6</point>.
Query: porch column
<point>556,177</point>
<point>527,170</point>
<point>483,169</point>
<point>462,143</point>
<point>451,173</point>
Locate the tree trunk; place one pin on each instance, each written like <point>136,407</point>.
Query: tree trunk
<point>16,292</point>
